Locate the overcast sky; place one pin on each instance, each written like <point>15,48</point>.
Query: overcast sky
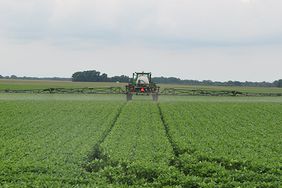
<point>193,39</point>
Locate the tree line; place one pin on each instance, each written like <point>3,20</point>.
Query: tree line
<point>96,76</point>
<point>173,80</point>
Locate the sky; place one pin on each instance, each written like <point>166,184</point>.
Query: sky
<point>217,40</point>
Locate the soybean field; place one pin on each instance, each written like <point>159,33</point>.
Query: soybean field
<point>102,141</point>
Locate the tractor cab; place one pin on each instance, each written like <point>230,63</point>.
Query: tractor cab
<point>142,80</point>
<point>141,84</point>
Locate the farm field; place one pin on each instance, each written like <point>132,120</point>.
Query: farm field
<point>43,84</point>
<point>45,142</point>
<point>238,143</point>
<point>100,140</point>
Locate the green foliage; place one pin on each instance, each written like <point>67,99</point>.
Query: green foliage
<point>89,76</point>
<point>139,135</point>
<point>227,143</point>
<point>83,141</point>
<point>96,76</point>
<point>136,151</point>
<point>278,83</point>
<point>44,143</point>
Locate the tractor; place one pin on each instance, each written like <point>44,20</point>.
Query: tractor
<point>141,84</point>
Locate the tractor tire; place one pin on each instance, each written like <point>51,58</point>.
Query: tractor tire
<point>155,97</point>
<point>128,97</point>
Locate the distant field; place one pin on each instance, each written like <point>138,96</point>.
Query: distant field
<point>99,97</point>
<point>68,140</point>
<point>229,88</point>
<point>43,84</point>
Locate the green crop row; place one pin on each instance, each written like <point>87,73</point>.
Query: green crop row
<point>139,136</point>
<point>137,151</point>
<point>44,143</point>
<point>56,143</point>
<point>224,144</point>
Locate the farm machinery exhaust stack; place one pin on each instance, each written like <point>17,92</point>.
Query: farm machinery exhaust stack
<point>141,84</point>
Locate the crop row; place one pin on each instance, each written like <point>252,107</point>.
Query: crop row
<point>139,136</point>
<point>137,149</point>
<point>96,143</point>
<point>45,143</point>
<point>232,144</point>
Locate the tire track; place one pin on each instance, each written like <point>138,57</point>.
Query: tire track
<point>125,173</point>
<point>175,148</point>
<point>96,152</point>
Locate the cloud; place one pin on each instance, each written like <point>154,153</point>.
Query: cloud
<point>248,1</point>
<point>193,39</point>
<point>201,22</point>
<point>244,63</point>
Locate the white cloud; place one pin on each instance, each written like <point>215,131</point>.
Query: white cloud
<point>248,1</point>
<point>201,39</point>
<point>41,59</point>
<point>203,20</point>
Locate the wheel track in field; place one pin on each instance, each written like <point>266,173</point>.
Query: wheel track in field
<point>98,160</point>
<point>117,172</point>
<point>229,166</point>
<point>96,151</point>
<point>175,148</point>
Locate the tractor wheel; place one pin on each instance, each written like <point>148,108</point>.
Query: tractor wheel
<point>128,97</point>
<point>155,97</point>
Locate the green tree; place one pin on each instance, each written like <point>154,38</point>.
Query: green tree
<point>278,83</point>
<point>13,77</point>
